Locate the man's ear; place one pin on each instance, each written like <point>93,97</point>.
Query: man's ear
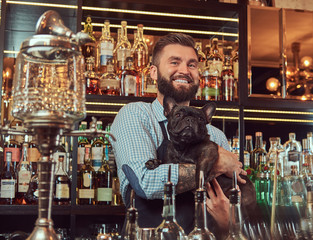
<point>154,72</point>
<point>209,111</point>
<point>168,104</point>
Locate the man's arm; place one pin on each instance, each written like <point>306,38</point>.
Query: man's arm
<point>186,179</point>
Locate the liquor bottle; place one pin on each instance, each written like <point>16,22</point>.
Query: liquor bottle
<point>207,52</point>
<point>11,145</point>
<point>306,221</point>
<point>132,228</point>
<point>258,154</point>
<point>201,57</point>
<point>296,188</point>
<point>62,191</point>
<point>8,181</point>
<point>23,174</point>
<point>293,153</point>
<point>92,80</point>
<point>86,183</point>
<point>235,67</point>
<point>148,85</point>
<point>105,48</point>
<point>130,84</point>
<point>97,149</point>
<point>200,230</point>
<point>247,158</point>
<point>228,87</point>
<point>103,233</point>
<point>211,84</point>
<point>104,183</point>
<point>89,48</point>
<point>33,155</point>
<point>32,194</point>
<point>309,136</point>
<point>109,81</point>
<point>82,142</point>
<point>216,58</point>
<point>306,161</point>
<point>139,51</point>
<point>169,228</point>
<point>235,146</point>
<point>122,49</point>
<point>235,219</point>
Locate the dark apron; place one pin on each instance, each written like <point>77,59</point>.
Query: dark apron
<point>149,211</point>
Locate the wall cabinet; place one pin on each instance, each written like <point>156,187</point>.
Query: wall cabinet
<point>201,19</point>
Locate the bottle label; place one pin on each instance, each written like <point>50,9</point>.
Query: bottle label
<point>87,178</point>
<point>236,69</point>
<point>86,193</point>
<point>62,191</point>
<point>294,156</point>
<point>23,180</point>
<point>246,159</point>
<point>57,155</point>
<point>15,154</point>
<point>106,52</point>
<point>8,188</point>
<point>96,159</point>
<point>122,54</point>
<point>218,64</point>
<point>80,155</point>
<point>109,84</point>
<point>104,194</point>
<point>130,84</point>
<point>96,164</point>
<point>33,154</point>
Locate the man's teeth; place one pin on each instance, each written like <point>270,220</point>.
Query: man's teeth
<point>181,81</point>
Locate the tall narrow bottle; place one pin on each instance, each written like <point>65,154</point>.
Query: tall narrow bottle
<point>216,58</point>
<point>104,183</point>
<point>139,51</point>
<point>109,81</point>
<point>228,85</point>
<point>200,231</point>
<point>62,191</point>
<point>8,182</point>
<point>201,56</point>
<point>23,174</point>
<point>293,152</point>
<point>148,85</point>
<point>89,49</point>
<point>235,67</point>
<point>97,149</point>
<point>92,79</point>
<point>169,228</point>
<point>105,48</point>
<point>82,142</point>
<point>11,145</point>
<point>258,154</point>
<point>132,228</point>
<point>122,49</point>
<point>247,158</point>
<point>235,219</point>
<point>130,83</point>
<point>211,84</point>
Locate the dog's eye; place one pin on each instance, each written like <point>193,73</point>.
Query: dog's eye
<point>201,119</point>
<point>177,114</point>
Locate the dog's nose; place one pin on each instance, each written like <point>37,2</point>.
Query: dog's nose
<point>190,119</point>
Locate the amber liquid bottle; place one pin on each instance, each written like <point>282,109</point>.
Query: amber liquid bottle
<point>228,82</point>
<point>62,191</point>
<point>92,80</point>
<point>130,84</point>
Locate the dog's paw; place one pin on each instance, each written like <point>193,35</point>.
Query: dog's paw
<point>153,164</point>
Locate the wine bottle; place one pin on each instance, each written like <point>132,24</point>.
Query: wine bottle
<point>169,228</point>
<point>8,182</point>
<point>62,191</point>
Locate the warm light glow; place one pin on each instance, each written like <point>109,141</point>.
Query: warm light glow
<point>272,84</point>
<point>306,61</point>
<point>10,52</point>
<point>159,29</point>
<point>162,14</point>
<point>43,4</point>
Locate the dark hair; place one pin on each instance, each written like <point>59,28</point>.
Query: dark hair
<point>172,38</point>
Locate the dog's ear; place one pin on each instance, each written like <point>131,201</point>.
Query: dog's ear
<point>168,104</point>
<point>209,111</point>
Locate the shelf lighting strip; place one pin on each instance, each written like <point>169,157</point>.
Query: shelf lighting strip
<point>277,112</point>
<point>43,4</point>
<point>169,30</point>
<point>162,14</point>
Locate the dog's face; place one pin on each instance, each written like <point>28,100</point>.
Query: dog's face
<point>187,125</point>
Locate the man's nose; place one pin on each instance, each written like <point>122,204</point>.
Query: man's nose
<point>184,69</point>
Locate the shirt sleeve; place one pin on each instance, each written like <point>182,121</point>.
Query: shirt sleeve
<point>136,143</point>
<point>217,136</point>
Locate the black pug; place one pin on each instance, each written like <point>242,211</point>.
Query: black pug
<point>190,143</point>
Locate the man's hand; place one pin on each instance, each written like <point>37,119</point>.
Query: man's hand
<point>218,205</point>
<point>227,163</point>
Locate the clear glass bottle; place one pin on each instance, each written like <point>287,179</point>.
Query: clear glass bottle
<point>216,58</point>
<point>169,228</point>
<point>258,154</point>
<point>8,181</point>
<point>235,218</point>
<point>105,48</point>
<point>109,81</point>
<point>228,82</point>
<point>132,228</point>
<point>200,231</point>
<point>201,57</point>
<point>306,159</point>
<point>62,191</point>
<point>211,83</point>
<point>306,221</point>
<point>130,84</point>
<point>293,154</point>
<point>139,51</point>
<point>97,145</point>
<point>86,183</point>
<point>32,193</point>
<point>104,184</point>
<point>235,146</point>
<point>82,142</point>
<point>23,174</point>
<point>235,67</point>
<point>122,49</point>
<point>92,79</point>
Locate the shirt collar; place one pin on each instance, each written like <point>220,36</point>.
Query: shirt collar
<point>158,109</point>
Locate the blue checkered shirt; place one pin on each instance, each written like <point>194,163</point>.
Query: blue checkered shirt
<point>138,135</point>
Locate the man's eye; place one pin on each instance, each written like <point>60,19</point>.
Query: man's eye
<point>174,63</point>
<point>192,65</point>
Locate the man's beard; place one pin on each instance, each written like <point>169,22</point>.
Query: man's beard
<point>181,94</point>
